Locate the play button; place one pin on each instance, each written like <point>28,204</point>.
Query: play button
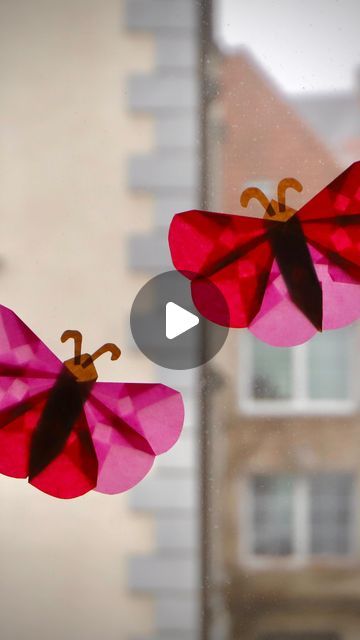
<point>168,328</point>
<point>178,320</point>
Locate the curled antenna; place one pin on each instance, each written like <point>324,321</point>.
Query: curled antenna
<point>284,184</point>
<point>254,192</point>
<point>257,194</point>
<point>108,347</point>
<point>77,337</point>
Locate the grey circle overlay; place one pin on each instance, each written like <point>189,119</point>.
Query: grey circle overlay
<point>148,323</point>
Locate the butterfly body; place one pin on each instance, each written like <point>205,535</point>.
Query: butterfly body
<point>284,276</point>
<point>63,408</point>
<point>297,268</point>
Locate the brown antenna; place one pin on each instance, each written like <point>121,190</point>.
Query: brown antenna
<point>108,347</point>
<point>77,337</point>
<point>257,194</point>
<point>284,184</point>
<point>276,210</point>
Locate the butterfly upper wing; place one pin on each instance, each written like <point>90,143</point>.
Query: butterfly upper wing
<point>331,222</point>
<point>232,252</point>
<point>130,424</point>
<point>22,351</point>
<point>28,372</point>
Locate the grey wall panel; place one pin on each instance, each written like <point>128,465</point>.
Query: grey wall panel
<point>191,411</point>
<point>184,381</point>
<point>177,533</point>
<point>167,205</point>
<point>149,253</point>
<point>163,573</point>
<point>176,613</point>
<point>171,174</point>
<point>182,456</point>
<point>161,15</point>
<point>178,131</point>
<point>163,171</point>
<point>166,493</point>
<point>163,92</point>
<point>178,51</point>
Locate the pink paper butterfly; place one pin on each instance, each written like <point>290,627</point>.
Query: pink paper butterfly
<point>285,276</point>
<point>68,433</point>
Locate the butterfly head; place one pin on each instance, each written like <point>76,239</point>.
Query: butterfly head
<point>274,209</point>
<point>82,364</point>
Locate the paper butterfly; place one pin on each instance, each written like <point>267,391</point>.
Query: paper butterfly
<point>284,276</point>
<point>68,433</point>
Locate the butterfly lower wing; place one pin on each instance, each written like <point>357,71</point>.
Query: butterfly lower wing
<point>74,471</point>
<point>28,370</point>
<point>17,425</point>
<point>130,425</point>
<point>331,222</point>
<point>70,474</point>
<point>231,252</point>
<point>279,322</point>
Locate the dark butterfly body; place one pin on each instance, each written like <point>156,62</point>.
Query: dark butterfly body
<point>63,408</point>
<point>293,257</point>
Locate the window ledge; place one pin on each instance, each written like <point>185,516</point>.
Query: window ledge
<point>298,407</point>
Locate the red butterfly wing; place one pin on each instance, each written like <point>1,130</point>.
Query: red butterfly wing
<point>28,373</point>
<point>74,471</point>
<point>28,370</point>
<point>130,424</point>
<point>232,252</point>
<point>331,221</point>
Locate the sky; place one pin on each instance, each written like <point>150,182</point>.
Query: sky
<point>306,45</point>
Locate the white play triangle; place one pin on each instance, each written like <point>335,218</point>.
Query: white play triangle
<point>178,320</point>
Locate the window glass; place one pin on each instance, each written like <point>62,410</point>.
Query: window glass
<point>330,513</point>
<point>271,371</point>
<point>328,364</point>
<point>311,374</point>
<point>302,515</point>
<point>273,515</point>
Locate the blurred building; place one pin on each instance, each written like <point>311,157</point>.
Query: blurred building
<point>285,524</point>
<point>265,138</point>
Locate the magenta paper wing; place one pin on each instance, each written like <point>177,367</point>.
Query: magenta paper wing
<point>331,225</point>
<point>231,252</point>
<point>28,370</point>
<point>22,353</point>
<point>341,305</point>
<point>130,424</point>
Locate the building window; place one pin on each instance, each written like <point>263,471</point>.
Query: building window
<point>301,516</point>
<point>316,377</point>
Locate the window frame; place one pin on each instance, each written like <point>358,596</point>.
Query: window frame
<point>302,556</point>
<point>300,403</point>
